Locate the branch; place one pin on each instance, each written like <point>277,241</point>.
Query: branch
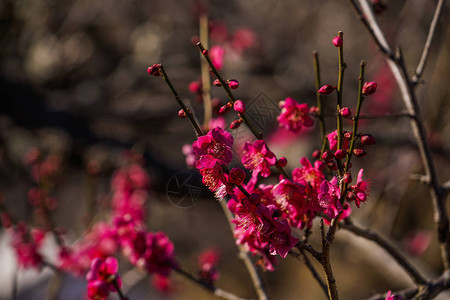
<point>216,291</point>
<point>302,256</point>
<point>383,243</point>
<point>406,86</point>
<point>430,291</point>
<point>426,48</point>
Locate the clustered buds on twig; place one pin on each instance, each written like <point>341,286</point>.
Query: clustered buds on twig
<point>154,70</point>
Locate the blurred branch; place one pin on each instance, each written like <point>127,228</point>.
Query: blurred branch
<point>426,49</point>
<point>430,291</point>
<point>206,79</point>
<point>398,68</point>
<point>383,243</point>
<point>216,291</point>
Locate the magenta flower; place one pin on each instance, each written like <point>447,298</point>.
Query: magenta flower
<point>329,198</point>
<point>26,244</point>
<point>159,256</point>
<point>101,276</point>
<point>213,147</point>
<point>258,158</point>
<point>333,140</point>
<point>208,261</point>
<point>360,190</point>
<point>294,116</point>
<point>217,53</point>
<point>392,296</point>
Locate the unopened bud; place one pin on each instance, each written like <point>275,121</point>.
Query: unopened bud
<point>314,110</point>
<point>332,165</point>
<point>340,154</point>
<point>182,114</point>
<point>345,112</point>
<point>316,154</point>
<point>369,88</point>
<point>282,162</point>
<point>367,139</point>
<point>337,41</point>
<point>359,152</point>
<point>154,70</point>
<point>239,106</point>
<point>327,89</point>
<point>347,178</point>
<point>233,84</point>
<point>236,123</point>
<point>217,82</point>
<point>327,155</point>
<point>205,52</point>
<point>225,108</point>
<point>236,176</point>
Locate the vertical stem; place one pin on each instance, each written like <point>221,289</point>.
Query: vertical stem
<point>339,91</point>
<point>206,79</point>
<point>356,117</point>
<point>119,291</point>
<point>321,118</point>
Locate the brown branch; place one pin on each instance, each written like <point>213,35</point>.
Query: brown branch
<point>383,243</point>
<point>426,48</point>
<point>406,86</point>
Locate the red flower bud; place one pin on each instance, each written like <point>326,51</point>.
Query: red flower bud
<point>359,152</point>
<point>154,70</point>
<point>236,123</point>
<point>369,88</point>
<point>205,52</point>
<point>314,110</point>
<point>345,112</point>
<point>233,84</point>
<point>225,108</point>
<point>327,89</point>
<point>332,165</point>
<point>236,176</point>
<point>282,162</point>
<point>340,154</point>
<point>367,139</point>
<point>239,106</point>
<point>347,178</point>
<point>327,155</point>
<point>337,41</point>
<point>217,82</point>
<point>182,114</point>
<point>316,154</point>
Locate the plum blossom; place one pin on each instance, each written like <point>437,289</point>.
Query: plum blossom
<point>329,197</point>
<point>294,116</point>
<point>258,158</point>
<point>359,191</point>
<point>101,278</point>
<point>213,147</point>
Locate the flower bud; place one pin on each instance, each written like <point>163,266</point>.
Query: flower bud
<point>254,198</point>
<point>239,106</point>
<point>205,52</point>
<point>217,82</point>
<point>282,162</point>
<point>319,165</point>
<point>225,108</point>
<point>195,87</point>
<point>367,139</point>
<point>337,41</point>
<point>332,165</point>
<point>182,114</point>
<point>348,135</point>
<point>345,112</point>
<point>359,152</point>
<point>340,154</point>
<point>236,123</point>
<point>316,154</point>
<point>154,70</point>
<point>233,84</point>
<point>369,88</point>
<point>314,110</point>
<point>327,155</point>
<point>351,196</point>
<point>236,176</point>
<point>347,178</point>
<point>327,89</point>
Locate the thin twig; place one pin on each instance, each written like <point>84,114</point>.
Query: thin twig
<point>216,291</point>
<point>426,48</point>
<point>406,86</point>
<point>206,79</point>
<point>383,243</point>
<point>323,130</point>
<point>316,254</point>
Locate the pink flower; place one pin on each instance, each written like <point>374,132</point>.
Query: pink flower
<point>329,198</point>
<point>369,88</point>
<point>216,53</point>
<point>333,139</point>
<point>26,244</point>
<point>294,116</point>
<point>191,158</point>
<point>213,147</point>
<point>207,261</point>
<point>392,296</point>
<point>359,191</point>
<point>101,276</point>
<point>258,158</point>
<point>239,106</point>
<point>158,256</point>
<point>243,39</point>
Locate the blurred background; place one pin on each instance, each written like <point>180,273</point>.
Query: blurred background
<point>73,82</point>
